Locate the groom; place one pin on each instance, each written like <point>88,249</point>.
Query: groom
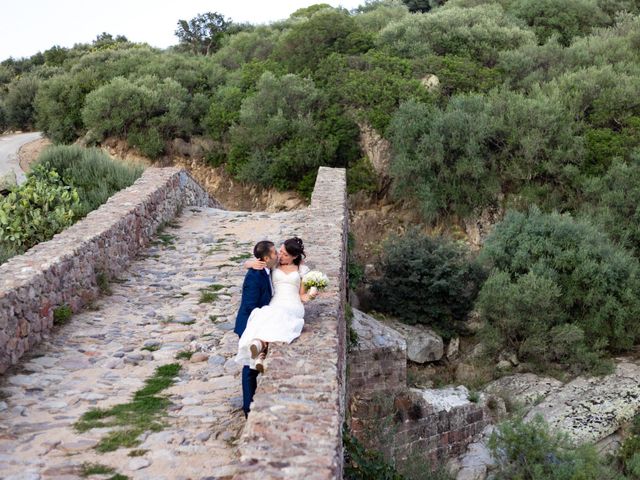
<point>256,293</point>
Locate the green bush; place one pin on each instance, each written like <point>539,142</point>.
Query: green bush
<point>91,172</point>
<point>480,32</point>
<point>18,103</point>
<point>143,111</point>
<point>281,135</point>
<point>460,159</point>
<point>36,211</point>
<point>559,293</point>
<point>59,105</point>
<point>566,18</point>
<point>428,280</point>
<point>460,74</point>
<point>327,31</point>
<point>612,201</point>
<point>531,451</point>
<point>372,85</point>
<point>361,177</point>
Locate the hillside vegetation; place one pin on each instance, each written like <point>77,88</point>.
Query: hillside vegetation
<point>536,110</point>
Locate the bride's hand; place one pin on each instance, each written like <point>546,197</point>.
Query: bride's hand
<point>255,264</point>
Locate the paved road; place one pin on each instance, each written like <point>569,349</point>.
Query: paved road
<point>9,146</point>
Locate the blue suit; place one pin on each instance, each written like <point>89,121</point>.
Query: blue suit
<point>256,293</point>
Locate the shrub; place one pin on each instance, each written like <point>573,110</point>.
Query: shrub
<point>18,103</point>
<point>612,201</point>
<point>62,314</point>
<point>327,31</point>
<point>91,172</point>
<point>59,105</point>
<point>560,291</point>
<point>566,18</point>
<point>361,177</point>
<point>531,451</point>
<point>373,16</point>
<point>458,160</point>
<point>279,138</point>
<point>480,32</point>
<point>36,211</point>
<point>598,95</point>
<point>372,85</point>
<point>427,280</point>
<point>128,109</point>
<point>460,74</point>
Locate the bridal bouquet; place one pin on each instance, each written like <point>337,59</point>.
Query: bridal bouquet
<point>314,281</point>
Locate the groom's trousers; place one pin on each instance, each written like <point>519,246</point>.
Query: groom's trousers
<point>249,385</point>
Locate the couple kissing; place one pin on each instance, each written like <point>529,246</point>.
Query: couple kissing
<point>271,309</point>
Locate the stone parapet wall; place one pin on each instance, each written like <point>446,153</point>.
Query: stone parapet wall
<point>294,429</point>
<point>65,270</point>
<point>406,424</point>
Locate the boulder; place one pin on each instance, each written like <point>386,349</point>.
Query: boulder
<point>8,181</point>
<point>423,344</point>
<point>444,399</point>
<point>373,334</point>
<point>527,388</point>
<point>453,348</point>
<point>430,81</point>
<point>591,409</point>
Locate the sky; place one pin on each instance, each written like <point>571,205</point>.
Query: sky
<point>29,26</point>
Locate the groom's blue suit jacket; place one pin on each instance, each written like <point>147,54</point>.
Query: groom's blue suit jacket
<point>256,293</point>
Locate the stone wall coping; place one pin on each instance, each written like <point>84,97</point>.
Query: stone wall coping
<point>294,429</point>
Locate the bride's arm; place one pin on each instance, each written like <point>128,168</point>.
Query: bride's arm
<point>304,296</point>
<point>255,264</point>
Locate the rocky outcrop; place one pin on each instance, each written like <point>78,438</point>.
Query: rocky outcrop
<point>478,227</point>
<point>590,409</point>
<point>377,149</point>
<point>431,82</point>
<point>423,344</point>
<point>526,388</point>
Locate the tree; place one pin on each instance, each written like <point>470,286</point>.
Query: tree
<point>422,6</point>
<point>203,33</point>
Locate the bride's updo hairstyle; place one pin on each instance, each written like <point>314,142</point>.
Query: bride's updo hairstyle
<point>295,248</point>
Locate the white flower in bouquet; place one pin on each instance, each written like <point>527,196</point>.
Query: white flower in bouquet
<point>314,281</point>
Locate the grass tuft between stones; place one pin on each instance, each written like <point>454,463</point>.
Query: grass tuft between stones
<point>137,452</point>
<point>95,469</point>
<point>184,355</point>
<point>132,419</point>
<point>61,315</point>
<point>243,256</point>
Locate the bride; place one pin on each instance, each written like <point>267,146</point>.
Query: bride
<point>282,320</point>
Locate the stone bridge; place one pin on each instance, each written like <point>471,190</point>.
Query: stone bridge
<point>153,277</point>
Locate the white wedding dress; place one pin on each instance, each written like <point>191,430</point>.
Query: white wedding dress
<point>280,321</point>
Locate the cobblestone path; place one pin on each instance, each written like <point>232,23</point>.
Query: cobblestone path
<point>103,355</point>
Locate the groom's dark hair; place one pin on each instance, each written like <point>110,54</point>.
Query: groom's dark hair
<point>262,249</point>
